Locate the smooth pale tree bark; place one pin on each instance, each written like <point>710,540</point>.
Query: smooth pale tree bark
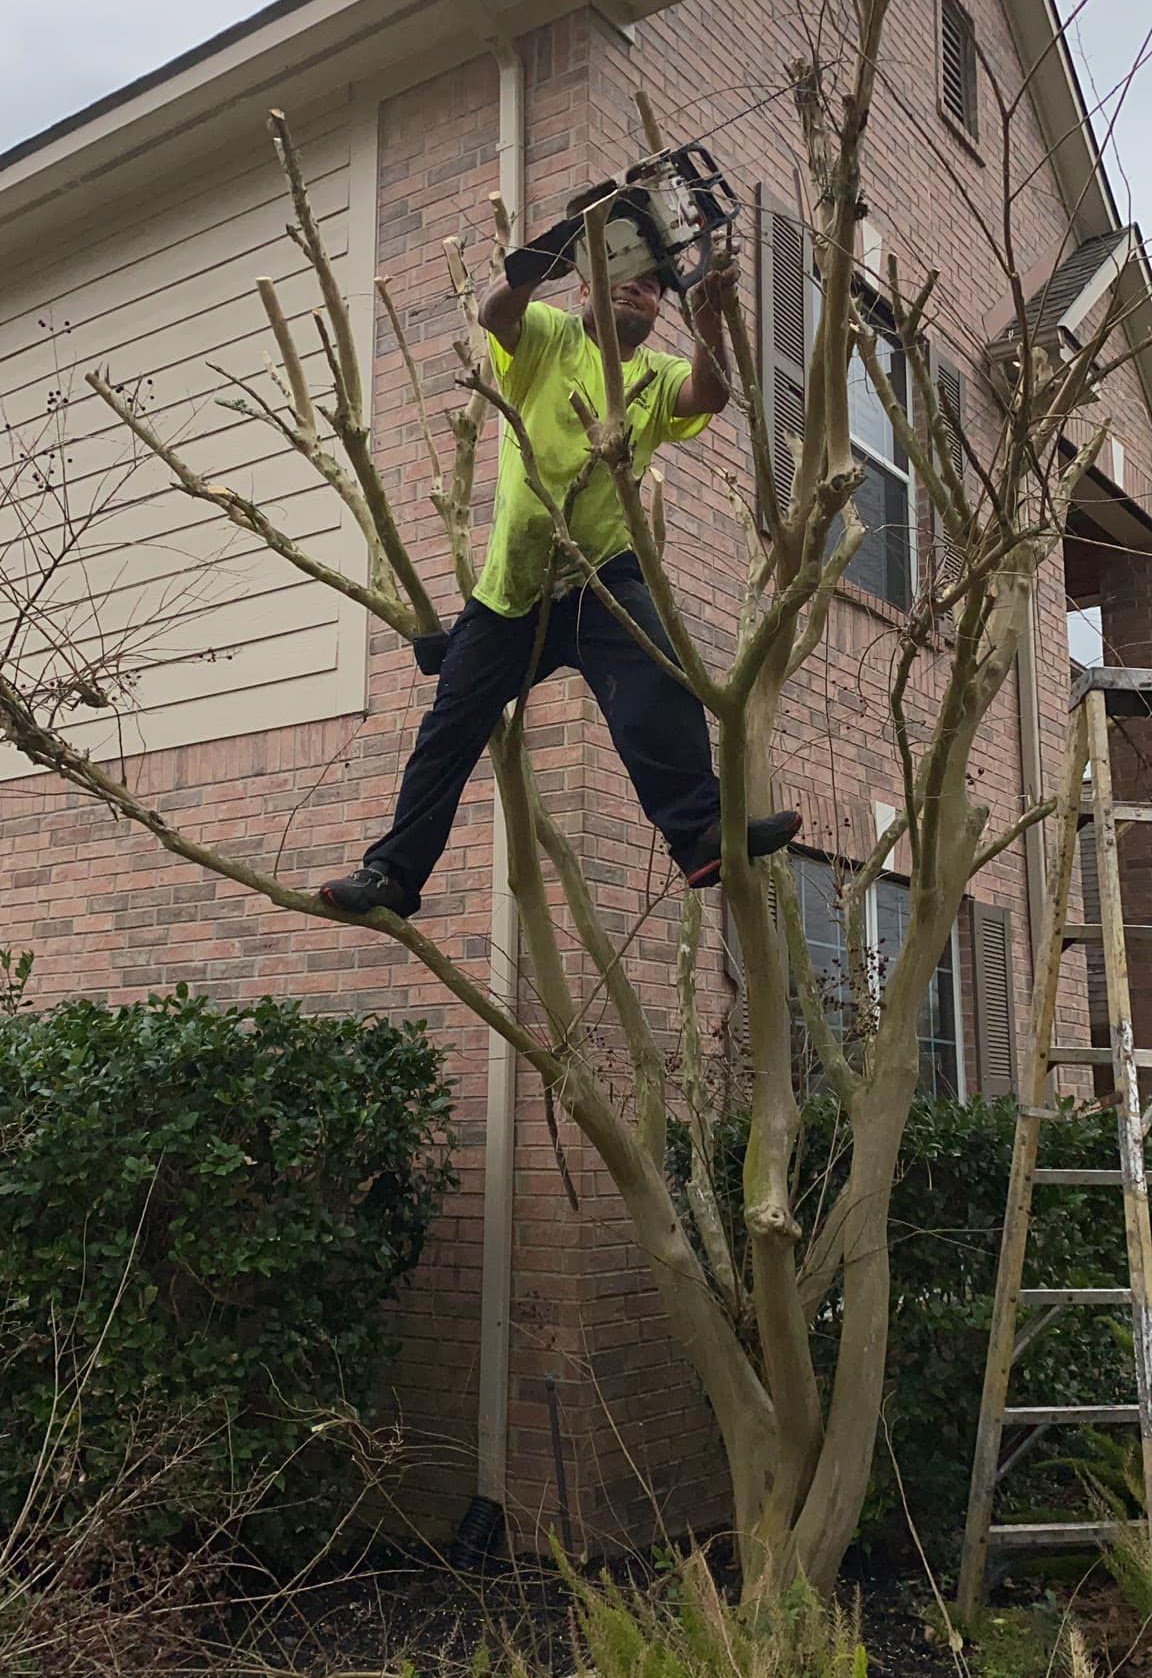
<point>800,1460</point>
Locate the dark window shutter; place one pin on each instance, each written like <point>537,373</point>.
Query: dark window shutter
<point>995,1014</point>
<point>785,330</point>
<point>950,393</point>
<point>958,66</point>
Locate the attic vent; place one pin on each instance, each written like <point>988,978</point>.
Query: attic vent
<point>958,66</point>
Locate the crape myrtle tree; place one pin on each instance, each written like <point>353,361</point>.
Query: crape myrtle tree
<point>799,1453</point>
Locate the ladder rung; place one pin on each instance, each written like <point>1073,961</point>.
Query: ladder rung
<point>1075,1296</point>
<point>1091,932</point>
<point>1029,1415</point>
<point>1121,812</point>
<point>1073,1054</point>
<point>1083,1178</point>
<point>1064,1115</point>
<point>1041,1534</point>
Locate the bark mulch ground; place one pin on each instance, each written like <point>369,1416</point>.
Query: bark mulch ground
<point>421,1613</point>
<point>414,1610</point>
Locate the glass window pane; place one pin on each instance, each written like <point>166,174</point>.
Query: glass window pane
<point>869,423</point>
<point>937,1026</point>
<point>883,562</point>
<point>820,912</point>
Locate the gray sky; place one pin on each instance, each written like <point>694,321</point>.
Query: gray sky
<point>58,55</point>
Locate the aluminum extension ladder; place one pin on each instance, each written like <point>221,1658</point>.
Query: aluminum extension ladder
<point>1097,696</point>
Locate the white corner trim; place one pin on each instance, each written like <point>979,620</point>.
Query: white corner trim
<point>1117,462</point>
<point>883,815</point>
<point>872,251</point>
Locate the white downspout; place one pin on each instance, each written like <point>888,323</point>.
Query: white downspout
<point>496,1276</point>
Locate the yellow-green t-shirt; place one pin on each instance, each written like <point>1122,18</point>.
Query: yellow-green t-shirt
<point>555,356</point>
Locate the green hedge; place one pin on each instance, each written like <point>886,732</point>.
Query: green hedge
<point>213,1208</point>
<point>947,1209</point>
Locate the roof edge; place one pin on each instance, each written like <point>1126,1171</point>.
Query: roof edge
<point>150,79</point>
<point>1077,163</point>
<point>486,18</point>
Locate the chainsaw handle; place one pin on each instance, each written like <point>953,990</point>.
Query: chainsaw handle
<point>683,282</point>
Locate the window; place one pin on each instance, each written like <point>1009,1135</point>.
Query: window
<point>789,310</point>
<point>824,930</point>
<point>958,67</point>
<point>887,921</point>
<point>883,563</point>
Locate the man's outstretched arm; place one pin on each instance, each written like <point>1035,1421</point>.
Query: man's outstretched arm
<point>706,389</point>
<point>502,312</point>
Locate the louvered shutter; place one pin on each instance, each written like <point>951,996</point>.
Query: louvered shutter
<point>958,66</point>
<point>995,1013</point>
<point>950,393</point>
<point>785,331</point>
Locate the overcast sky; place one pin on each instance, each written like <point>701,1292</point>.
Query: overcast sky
<point>58,55</point>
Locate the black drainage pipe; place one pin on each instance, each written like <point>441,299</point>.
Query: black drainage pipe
<point>477,1535</point>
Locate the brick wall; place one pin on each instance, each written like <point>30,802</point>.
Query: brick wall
<point>913,161</point>
<point>107,915</point>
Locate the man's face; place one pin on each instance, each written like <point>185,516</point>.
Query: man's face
<point>635,304</point>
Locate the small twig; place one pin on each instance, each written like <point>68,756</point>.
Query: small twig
<point>558,1149</point>
<point>955,1641</point>
<point>248,516</point>
<point>413,378</point>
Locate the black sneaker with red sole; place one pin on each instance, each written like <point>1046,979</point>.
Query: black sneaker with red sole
<point>370,888</point>
<point>701,863</point>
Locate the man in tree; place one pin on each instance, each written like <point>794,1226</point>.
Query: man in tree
<point>540,355</point>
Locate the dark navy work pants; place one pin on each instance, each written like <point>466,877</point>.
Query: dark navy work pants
<point>657,726</point>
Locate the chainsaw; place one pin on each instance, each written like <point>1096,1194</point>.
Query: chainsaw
<point>664,214</point>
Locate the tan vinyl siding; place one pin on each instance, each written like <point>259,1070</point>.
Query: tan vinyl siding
<point>213,635</point>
